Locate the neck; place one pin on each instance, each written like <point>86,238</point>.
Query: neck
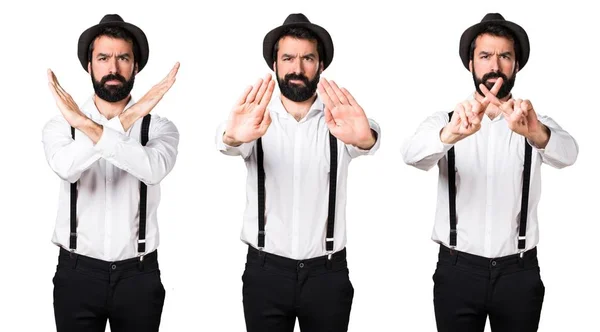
<point>492,111</point>
<point>108,109</point>
<point>298,109</point>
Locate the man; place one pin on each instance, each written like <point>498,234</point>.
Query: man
<point>489,156</point>
<point>297,150</point>
<point>111,156</point>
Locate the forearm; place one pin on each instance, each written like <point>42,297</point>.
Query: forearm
<point>150,163</point>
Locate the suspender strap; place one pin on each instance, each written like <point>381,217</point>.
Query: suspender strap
<point>261,194</point>
<point>143,192</point>
<point>73,230</point>
<point>525,196</point>
<point>452,192</point>
<point>332,193</point>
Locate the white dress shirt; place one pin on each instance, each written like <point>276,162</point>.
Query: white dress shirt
<point>489,178</point>
<point>296,163</point>
<point>109,175</point>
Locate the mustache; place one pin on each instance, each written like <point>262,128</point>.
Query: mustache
<point>111,77</point>
<point>292,76</point>
<point>494,75</point>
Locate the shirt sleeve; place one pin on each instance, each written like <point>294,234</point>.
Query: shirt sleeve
<point>561,150</point>
<point>150,163</point>
<point>354,151</point>
<point>424,149</point>
<point>244,150</point>
<point>68,158</point>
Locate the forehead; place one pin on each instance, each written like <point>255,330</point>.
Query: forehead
<point>293,45</point>
<point>107,44</point>
<point>490,42</point>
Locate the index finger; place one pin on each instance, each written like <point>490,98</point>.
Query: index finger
<point>489,97</point>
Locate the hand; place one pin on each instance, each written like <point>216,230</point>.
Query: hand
<point>249,119</point>
<point>67,106</point>
<point>522,119</point>
<point>149,100</point>
<point>344,117</point>
<point>468,114</point>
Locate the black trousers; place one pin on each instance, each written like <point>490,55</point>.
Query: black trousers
<point>276,290</point>
<point>467,288</point>
<point>88,292</point>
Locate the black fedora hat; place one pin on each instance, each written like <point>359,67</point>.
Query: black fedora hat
<point>296,21</point>
<point>113,20</point>
<point>494,19</point>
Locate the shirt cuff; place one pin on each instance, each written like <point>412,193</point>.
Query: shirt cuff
<point>108,142</point>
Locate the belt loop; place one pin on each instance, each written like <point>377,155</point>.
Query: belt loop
<point>521,260</point>
<point>263,257</point>
<point>73,257</point>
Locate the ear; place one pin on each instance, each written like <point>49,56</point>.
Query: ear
<point>321,67</point>
<point>471,66</point>
<point>135,69</point>
<point>274,66</point>
<point>89,67</point>
<point>517,67</point>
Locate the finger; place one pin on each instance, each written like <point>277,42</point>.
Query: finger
<point>263,87</point>
<point>497,86</point>
<point>266,98</point>
<point>266,121</point>
<point>351,99</point>
<point>489,97</point>
<point>338,92</point>
<point>463,118</point>
<point>329,117</point>
<point>507,108</point>
<point>517,107</point>
<point>323,94</point>
<point>466,106</point>
<point>476,107</point>
<point>243,97</point>
<point>252,95</point>
<point>330,93</point>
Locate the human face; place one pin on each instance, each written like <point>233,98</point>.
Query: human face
<point>112,68</point>
<point>494,57</point>
<point>297,68</point>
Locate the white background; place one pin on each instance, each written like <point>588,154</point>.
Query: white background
<point>401,63</point>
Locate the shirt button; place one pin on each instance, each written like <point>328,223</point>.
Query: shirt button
<point>114,267</point>
<point>493,263</point>
<point>109,180</point>
<point>301,265</point>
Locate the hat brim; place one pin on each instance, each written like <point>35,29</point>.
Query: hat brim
<point>90,34</point>
<point>273,36</point>
<point>472,32</point>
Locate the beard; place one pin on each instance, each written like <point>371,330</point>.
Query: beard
<point>507,83</point>
<point>113,93</point>
<point>295,92</point>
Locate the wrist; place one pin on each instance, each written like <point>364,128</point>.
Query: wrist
<point>369,142</point>
<point>447,137</point>
<point>229,140</point>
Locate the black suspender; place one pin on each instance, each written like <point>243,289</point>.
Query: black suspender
<point>524,196</point>
<point>452,193</point>
<point>332,193</point>
<point>143,193</point>
<point>73,231</point>
<point>143,199</point>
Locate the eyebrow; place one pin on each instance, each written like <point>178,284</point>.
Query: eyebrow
<point>122,55</point>
<point>309,55</point>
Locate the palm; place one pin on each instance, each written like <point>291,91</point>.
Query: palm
<point>345,118</point>
<point>67,106</point>
<point>249,118</point>
<point>349,124</point>
<point>521,117</point>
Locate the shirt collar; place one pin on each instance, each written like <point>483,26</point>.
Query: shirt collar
<point>276,106</point>
<point>89,108</point>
